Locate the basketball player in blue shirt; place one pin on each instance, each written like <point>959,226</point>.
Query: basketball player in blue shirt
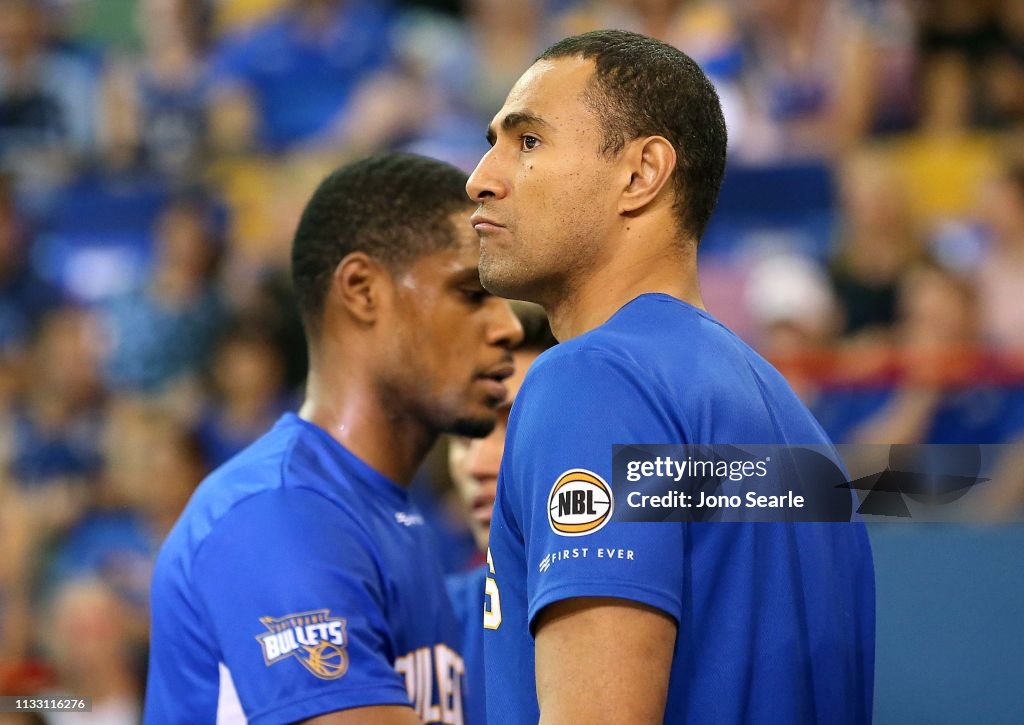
<point>605,166</point>
<point>299,583</point>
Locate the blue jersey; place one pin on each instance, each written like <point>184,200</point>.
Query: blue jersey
<point>466,590</point>
<point>299,581</point>
<point>776,620</point>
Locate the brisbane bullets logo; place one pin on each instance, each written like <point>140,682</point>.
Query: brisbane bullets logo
<point>316,639</point>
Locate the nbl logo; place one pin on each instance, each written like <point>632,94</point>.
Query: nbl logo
<point>316,639</point>
<point>580,503</point>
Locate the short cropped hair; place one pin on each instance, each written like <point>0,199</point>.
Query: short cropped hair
<point>395,207</point>
<point>643,87</point>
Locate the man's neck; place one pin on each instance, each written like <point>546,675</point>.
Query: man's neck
<point>587,303</point>
<point>394,443</point>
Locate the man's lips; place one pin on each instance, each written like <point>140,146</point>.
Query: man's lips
<point>482,506</point>
<point>496,391</point>
<point>500,371</point>
<point>492,380</point>
<point>483,223</point>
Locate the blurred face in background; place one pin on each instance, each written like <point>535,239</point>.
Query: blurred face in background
<point>249,370</point>
<point>184,242</point>
<point>937,309</point>
<point>153,466</point>
<point>873,196</point>
<point>65,358</point>
<point>88,638</point>
<point>475,463</point>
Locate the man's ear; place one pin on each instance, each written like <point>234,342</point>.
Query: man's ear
<point>649,163</point>
<point>358,287</point>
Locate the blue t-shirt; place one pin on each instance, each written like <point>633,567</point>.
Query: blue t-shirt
<point>299,581</point>
<point>776,620</point>
<point>466,590</point>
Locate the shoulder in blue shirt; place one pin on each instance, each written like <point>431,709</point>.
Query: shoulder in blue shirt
<point>776,621</point>
<point>299,581</point>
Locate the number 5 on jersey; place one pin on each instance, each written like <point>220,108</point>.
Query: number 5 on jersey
<point>492,599</point>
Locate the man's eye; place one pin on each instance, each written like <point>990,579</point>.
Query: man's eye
<point>476,296</point>
<point>529,143</point>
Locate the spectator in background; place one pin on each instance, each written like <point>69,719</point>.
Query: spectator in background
<point>152,465</point>
<point>159,472</point>
<point>466,68</point>
<point>809,78</point>
<point>972,63</point>
<point>1001,273</point>
<point>93,563</point>
<point>155,106</point>
<point>249,393</point>
<point>504,37</point>
<point>47,98</point>
<point>91,651</point>
<point>52,435</point>
<point>877,243</point>
<point>291,80</point>
<point>50,443</point>
<point>24,297</point>
<point>950,391</point>
<point>163,334</point>
<point>796,318</point>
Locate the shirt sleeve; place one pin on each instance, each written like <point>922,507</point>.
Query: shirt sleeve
<point>296,602</point>
<point>557,472</point>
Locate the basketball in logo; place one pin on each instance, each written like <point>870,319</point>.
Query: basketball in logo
<point>325,660</point>
<point>580,503</point>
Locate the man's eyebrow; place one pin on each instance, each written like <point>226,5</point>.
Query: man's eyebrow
<point>514,120</point>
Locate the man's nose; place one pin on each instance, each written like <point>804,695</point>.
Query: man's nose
<point>486,182</point>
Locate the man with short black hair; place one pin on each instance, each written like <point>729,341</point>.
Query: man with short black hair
<point>605,165</point>
<point>299,583</point>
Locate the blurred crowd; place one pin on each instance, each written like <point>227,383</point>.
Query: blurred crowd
<point>155,155</point>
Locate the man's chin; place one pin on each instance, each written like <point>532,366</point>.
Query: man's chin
<point>496,279</point>
<point>510,284</point>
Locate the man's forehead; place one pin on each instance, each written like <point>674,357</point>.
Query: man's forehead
<point>548,87</point>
